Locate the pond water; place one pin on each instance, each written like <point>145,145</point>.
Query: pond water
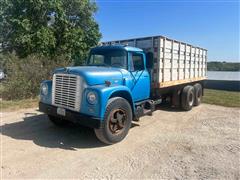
<point>224,75</point>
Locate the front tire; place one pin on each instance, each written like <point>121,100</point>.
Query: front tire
<point>117,121</point>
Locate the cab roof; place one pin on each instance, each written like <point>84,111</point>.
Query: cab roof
<point>119,46</point>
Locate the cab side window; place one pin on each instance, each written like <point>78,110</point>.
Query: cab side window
<point>137,62</point>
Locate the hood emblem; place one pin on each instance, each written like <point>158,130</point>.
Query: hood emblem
<point>66,70</point>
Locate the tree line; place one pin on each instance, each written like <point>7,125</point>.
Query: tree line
<point>223,66</point>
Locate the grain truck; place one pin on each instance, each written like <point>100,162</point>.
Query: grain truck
<point>123,81</point>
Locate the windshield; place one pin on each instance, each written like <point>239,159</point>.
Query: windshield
<point>112,58</point>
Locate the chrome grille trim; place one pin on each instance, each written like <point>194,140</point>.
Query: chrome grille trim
<point>66,91</point>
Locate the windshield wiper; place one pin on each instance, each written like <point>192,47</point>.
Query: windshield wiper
<point>105,65</point>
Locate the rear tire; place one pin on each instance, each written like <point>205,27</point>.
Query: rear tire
<point>57,121</point>
<point>187,98</point>
<point>117,121</point>
<point>198,94</point>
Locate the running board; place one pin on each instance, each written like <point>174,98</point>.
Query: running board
<point>147,112</point>
<point>158,101</point>
<point>145,108</point>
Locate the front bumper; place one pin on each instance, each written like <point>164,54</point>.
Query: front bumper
<point>72,116</point>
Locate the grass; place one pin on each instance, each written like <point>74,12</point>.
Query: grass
<point>18,104</point>
<point>222,98</point>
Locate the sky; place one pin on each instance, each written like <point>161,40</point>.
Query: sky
<point>213,25</point>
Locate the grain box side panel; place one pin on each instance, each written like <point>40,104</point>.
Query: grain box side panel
<point>181,63</point>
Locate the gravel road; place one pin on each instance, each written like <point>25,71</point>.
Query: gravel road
<point>200,144</point>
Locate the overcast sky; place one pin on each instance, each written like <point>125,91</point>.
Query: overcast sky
<point>213,25</point>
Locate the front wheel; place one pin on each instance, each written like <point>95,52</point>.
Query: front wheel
<point>117,121</point>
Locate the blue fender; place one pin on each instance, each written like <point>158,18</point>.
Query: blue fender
<point>105,93</point>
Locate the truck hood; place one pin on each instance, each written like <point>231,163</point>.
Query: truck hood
<point>95,75</point>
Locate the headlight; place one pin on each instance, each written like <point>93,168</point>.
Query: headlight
<point>44,89</point>
<point>91,97</point>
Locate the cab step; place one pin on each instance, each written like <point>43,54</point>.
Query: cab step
<point>145,108</point>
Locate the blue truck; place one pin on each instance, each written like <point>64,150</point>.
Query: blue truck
<point>123,81</point>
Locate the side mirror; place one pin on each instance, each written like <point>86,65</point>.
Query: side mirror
<point>149,60</point>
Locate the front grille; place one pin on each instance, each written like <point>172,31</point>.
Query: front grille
<point>66,91</point>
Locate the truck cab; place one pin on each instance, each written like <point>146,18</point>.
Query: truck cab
<point>107,93</point>
<point>130,61</point>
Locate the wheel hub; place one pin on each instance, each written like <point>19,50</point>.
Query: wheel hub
<point>117,121</point>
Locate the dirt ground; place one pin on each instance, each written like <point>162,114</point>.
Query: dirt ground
<point>200,144</point>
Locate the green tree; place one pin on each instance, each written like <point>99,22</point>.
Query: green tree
<point>223,66</point>
<point>49,28</point>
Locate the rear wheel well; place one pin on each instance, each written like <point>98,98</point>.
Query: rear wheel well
<point>125,95</point>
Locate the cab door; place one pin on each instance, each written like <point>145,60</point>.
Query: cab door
<point>140,85</point>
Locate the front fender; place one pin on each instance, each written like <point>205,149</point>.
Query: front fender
<point>104,93</point>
